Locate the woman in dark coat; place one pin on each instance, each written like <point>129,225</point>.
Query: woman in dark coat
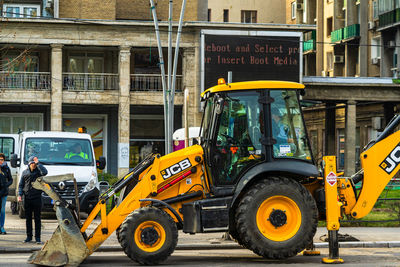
<point>5,181</point>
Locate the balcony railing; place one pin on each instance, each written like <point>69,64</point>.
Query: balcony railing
<point>90,81</point>
<point>151,82</point>
<point>337,35</point>
<point>345,33</point>
<point>25,80</point>
<point>309,45</point>
<point>389,18</point>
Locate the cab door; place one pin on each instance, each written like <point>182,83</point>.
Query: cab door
<point>236,145</point>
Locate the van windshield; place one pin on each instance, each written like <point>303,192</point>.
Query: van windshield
<point>59,151</point>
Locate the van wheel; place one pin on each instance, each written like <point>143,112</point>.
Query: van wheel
<point>14,207</point>
<point>21,210</point>
<point>148,236</point>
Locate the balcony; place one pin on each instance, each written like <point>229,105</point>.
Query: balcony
<point>90,81</point>
<point>389,18</point>
<point>25,80</point>
<point>346,34</point>
<point>309,42</point>
<point>151,82</point>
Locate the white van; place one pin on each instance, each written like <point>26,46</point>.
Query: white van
<point>60,153</point>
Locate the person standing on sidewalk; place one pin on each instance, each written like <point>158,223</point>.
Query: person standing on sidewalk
<point>33,197</point>
<point>5,181</point>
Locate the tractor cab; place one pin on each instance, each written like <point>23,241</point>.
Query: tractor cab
<point>250,123</point>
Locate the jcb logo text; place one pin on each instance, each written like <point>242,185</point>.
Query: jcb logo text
<point>392,160</point>
<point>176,168</point>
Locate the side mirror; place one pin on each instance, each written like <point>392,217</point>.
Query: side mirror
<point>14,161</point>
<point>101,163</point>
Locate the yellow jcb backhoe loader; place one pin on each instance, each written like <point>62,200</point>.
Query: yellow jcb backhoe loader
<point>252,175</point>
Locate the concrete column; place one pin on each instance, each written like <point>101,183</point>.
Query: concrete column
<point>351,12</point>
<point>123,110</point>
<point>56,87</point>
<point>330,128</point>
<point>350,146</point>
<point>189,68</point>
<point>320,38</point>
<point>363,58</point>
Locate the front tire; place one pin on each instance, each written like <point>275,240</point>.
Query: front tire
<point>277,218</point>
<point>148,236</point>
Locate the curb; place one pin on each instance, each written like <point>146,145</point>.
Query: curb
<point>369,244</point>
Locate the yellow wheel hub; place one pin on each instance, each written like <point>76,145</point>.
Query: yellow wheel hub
<point>150,236</point>
<point>278,218</point>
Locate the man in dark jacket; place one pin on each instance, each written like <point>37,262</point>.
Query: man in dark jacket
<point>33,197</point>
<point>5,181</point>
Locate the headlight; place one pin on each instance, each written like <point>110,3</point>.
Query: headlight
<point>91,184</point>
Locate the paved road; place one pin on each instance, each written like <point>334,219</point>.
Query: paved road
<point>234,257</point>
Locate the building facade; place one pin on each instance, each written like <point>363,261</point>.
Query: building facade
<point>350,57</point>
<point>72,71</point>
<point>247,11</point>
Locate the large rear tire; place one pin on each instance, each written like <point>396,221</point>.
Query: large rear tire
<point>276,218</point>
<point>148,236</point>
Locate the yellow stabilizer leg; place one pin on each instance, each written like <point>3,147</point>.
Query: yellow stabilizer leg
<point>332,210</point>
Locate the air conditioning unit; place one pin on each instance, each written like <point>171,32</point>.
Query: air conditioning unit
<point>391,44</point>
<point>299,6</point>
<point>338,59</point>
<point>371,25</point>
<point>375,61</point>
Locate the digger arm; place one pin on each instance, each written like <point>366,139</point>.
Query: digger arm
<point>380,164</point>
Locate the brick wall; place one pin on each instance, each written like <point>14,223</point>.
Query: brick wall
<point>88,9</point>
<point>140,9</point>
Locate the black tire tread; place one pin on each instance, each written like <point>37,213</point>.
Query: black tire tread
<point>262,248</point>
<point>126,236</point>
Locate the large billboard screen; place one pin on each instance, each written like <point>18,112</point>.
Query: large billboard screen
<point>267,55</point>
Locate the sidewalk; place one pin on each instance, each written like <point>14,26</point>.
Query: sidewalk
<point>367,236</point>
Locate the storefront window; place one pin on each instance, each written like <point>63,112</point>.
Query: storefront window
<point>147,136</point>
<point>22,122</point>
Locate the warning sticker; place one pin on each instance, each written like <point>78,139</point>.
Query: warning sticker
<point>331,178</point>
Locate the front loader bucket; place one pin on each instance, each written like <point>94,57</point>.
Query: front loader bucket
<point>66,246</point>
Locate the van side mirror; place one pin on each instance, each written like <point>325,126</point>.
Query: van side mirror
<point>101,163</point>
<point>14,161</point>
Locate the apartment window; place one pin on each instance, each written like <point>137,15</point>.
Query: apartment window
<point>341,148</point>
<point>293,8</point>
<point>375,9</point>
<point>21,11</point>
<point>249,16</point>
<point>375,47</point>
<point>209,15</point>
<point>329,27</point>
<point>15,61</point>
<point>226,15</point>
<point>387,5</point>
<point>305,7</point>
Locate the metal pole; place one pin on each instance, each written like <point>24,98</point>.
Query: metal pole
<point>169,95</point>
<point>229,77</point>
<point>186,116</point>
<point>178,37</point>
<point>161,59</point>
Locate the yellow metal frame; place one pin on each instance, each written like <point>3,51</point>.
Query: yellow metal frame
<point>253,85</point>
<point>331,195</point>
<point>375,177</point>
<point>149,182</point>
